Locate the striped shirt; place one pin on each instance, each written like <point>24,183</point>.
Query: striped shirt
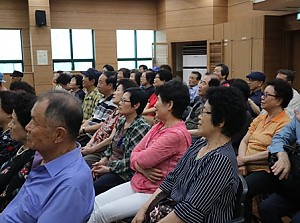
<point>204,189</point>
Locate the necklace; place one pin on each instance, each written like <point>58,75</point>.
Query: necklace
<point>21,150</point>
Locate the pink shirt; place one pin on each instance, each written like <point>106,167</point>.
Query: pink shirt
<point>160,148</point>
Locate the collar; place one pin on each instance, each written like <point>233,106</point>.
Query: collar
<point>55,166</point>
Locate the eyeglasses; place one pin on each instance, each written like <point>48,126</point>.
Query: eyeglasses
<point>266,94</point>
<point>202,111</point>
<point>124,100</point>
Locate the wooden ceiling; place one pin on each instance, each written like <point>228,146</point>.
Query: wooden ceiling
<point>277,5</point>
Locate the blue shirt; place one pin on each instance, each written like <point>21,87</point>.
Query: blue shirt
<point>287,136</point>
<point>59,191</point>
<point>193,93</point>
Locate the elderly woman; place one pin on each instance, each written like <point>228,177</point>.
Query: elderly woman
<point>114,167</point>
<point>8,146</point>
<point>253,153</point>
<point>205,180</point>
<point>152,159</point>
<point>102,138</point>
<point>14,172</point>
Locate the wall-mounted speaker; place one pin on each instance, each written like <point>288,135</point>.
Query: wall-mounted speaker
<point>40,17</point>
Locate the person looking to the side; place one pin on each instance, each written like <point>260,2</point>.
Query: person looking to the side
<point>102,137</point>
<point>152,159</point>
<point>61,187</point>
<point>253,153</point>
<point>114,166</point>
<point>205,181</point>
<point>16,169</point>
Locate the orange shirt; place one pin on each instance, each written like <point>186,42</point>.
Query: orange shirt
<point>262,134</point>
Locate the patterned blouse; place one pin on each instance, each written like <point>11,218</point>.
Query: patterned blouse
<point>8,146</point>
<point>120,151</point>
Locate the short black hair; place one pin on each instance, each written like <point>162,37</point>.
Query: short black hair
<point>22,86</point>
<point>25,102</point>
<point>177,92</point>
<point>78,79</point>
<point>228,106</point>
<point>198,75</point>
<point>165,75</point>
<point>290,75</point>
<point>214,82</point>
<point>165,67</point>
<point>126,72</point>
<point>60,105</point>
<point>224,70</point>
<point>283,90</point>
<point>144,67</point>
<point>137,77</point>
<point>63,79</point>
<point>7,101</point>
<point>137,95</point>
<point>150,76</point>
<point>111,78</point>
<point>127,83</point>
<point>242,86</point>
<point>108,67</point>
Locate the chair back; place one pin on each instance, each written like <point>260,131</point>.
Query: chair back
<point>238,215</point>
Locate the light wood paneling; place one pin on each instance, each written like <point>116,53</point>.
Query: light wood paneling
<point>241,58</point>
<point>219,31</point>
<point>190,33</point>
<point>191,17</point>
<point>238,9</point>
<point>257,55</point>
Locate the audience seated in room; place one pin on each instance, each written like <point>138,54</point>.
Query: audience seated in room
<point>152,159</point>
<point>252,155</point>
<point>76,87</point>
<point>147,80</point>
<point>286,201</point>
<point>114,166</point>
<point>205,181</point>
<point>194,79</point>
<point>102,137</point>
<point>52,191</point>
<point>16,169</point>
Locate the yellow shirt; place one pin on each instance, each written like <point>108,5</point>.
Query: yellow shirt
<point>262,134</point>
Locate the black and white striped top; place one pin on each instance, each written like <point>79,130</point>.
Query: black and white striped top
<point>204,189</point>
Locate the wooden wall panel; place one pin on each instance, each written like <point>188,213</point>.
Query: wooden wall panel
<point>257,55</point>
<point>191,17</point>
<point>190,33</point>
<point>238,9</point>
<point>219,32</point>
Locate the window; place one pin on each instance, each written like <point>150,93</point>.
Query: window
<point>11,55</point>
<point>72,49</point>
<point>134,47</point>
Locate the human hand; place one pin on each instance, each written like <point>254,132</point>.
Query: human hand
<point>243,170</point>
<point>99,170</point>
<point>139,217</point>
<point>86,150</point>
<point>153,174</point>
<point>241,160</point>
<point>282,166</point>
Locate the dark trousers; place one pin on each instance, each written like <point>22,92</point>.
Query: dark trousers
<point>276,206</point>
<point>106,182</point>
<point>258,182</point>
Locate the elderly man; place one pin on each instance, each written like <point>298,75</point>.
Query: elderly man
<point>16,76</point>
<point>60,189</point>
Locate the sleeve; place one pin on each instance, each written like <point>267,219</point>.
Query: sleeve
<point>254,124</point>
<point>67,205</point>
<point>205,190</point>
<point>131,139</point>
<point>161,149</point>
<point>286,136</point>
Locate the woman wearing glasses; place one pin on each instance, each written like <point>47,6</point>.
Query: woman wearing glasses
<point>253,153</point>
<point>114,167</point>
<point>205,180</point>
<point>153,158</point>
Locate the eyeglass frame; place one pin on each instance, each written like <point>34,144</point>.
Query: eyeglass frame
<point>124,100</point>
<point>266,94</point>
<point>204,112</point>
